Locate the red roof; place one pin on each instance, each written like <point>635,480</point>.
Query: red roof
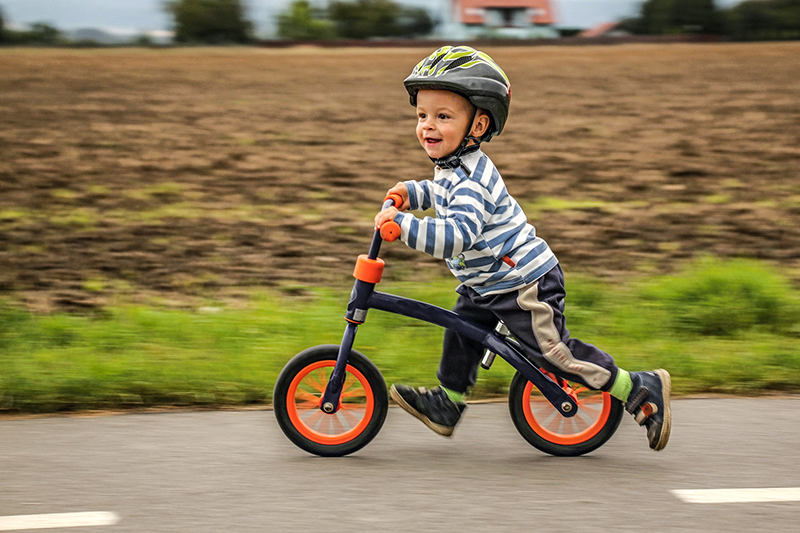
<point>472,11</point>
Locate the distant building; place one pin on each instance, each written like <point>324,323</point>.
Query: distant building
<point>521,19</point>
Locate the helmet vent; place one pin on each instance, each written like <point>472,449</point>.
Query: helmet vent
<point>460,61</point>
<point>435,61</point>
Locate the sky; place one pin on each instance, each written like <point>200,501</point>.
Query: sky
<point>139,16</point>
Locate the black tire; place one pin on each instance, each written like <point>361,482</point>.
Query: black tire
<point>363,406</point>
<point>540,424</point>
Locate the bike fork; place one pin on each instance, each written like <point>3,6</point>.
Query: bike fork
<point>368,272</point>
<point>333,391</point>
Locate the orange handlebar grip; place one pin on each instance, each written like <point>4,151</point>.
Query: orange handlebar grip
<point>396,198</point>
<point>390,231</point>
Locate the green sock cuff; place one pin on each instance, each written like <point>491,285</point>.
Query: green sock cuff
<point>622,386</point>
<point>457,397</point>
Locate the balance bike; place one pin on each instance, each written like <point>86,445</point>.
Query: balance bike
<point>331,400</point>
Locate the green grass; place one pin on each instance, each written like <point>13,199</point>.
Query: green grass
<point>727,327</point>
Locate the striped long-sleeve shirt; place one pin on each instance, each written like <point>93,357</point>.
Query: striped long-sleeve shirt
<point>479,229</point>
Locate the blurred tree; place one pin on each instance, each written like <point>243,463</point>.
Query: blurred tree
<point>44,33</point>
<point>765,19</point>
<point>2,26</point>
<point>415,22</point>
<point>749,20</point>
<point>655,16</point>
<point>364,19</point>
<point>39,33</point>
<point>633,25</point>
<point>660,17</point>
<point>696,16</point>
<point>210,21</point>
<point>143,40</point>
<point>569,32</point>
<point>303,22</point>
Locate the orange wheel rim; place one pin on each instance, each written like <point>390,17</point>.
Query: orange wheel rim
<point>594,408</point>
<point>303,398</point>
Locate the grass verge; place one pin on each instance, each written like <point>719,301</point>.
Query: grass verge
<point>718,327</point>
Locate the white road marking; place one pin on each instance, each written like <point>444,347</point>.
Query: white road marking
<point>784,494</point>
<point>57,520</point>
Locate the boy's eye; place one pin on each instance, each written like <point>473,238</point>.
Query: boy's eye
<point>442,116</point>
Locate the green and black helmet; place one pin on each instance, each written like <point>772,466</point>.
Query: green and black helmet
<point>470,73</point>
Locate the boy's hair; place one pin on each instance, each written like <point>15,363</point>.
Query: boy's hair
<point>469,73</point>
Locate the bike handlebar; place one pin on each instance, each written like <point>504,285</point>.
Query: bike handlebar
<point>390,231</point>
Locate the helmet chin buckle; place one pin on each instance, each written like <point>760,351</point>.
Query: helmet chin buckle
<point>453,160</point>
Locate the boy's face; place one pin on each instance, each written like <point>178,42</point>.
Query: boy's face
<point>442,121</point>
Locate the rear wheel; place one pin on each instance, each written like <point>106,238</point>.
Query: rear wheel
<point>298,394</point>
<point>539,423</point>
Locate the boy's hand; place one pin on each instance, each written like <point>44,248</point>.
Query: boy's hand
<point>402,190</point>
<point>385,216</point>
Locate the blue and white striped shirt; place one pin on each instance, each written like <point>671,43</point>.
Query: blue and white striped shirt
<point>479,229</point>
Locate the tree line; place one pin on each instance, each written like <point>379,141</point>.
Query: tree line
<point>747,20</point>
<point>359,19</point>
<point>225,21</point>
<point>39,33</point>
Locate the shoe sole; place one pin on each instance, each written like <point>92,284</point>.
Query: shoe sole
<point>445,431</point>
<point>666,426</point>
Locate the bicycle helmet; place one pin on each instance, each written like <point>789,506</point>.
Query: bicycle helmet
<point>470,73</point>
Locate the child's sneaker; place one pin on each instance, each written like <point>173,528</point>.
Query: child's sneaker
<point>434,407</point>
<point>649,404</point>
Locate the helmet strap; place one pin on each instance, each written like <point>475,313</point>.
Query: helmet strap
<point>453,160</point>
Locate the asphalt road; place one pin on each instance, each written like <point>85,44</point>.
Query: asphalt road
<point>235,471</point>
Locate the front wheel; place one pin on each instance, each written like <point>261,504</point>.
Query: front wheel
<point>539,423</point>
<point>362,410</point>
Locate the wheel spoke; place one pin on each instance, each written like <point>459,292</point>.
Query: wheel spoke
<point>358,393</point>
<point>581,424</point>
<point>313,419</point>
<point>304,407</point>
<point>306,396</point>
<point>589,409</point>
<point>348,414</point>
<point>593,399</point>
<point>325,426</point>
<point>544,411</point>
<point>349,381</point>
<point>546,416</point>
<point>554,426</point>
<point>354,409</point>
<point>584,417</point>
<point>319,380</point>
<point>335,427</point>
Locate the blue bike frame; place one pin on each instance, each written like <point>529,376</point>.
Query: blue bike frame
<point>365,297</point>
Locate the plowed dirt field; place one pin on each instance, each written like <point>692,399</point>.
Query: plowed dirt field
<point>174,175</point>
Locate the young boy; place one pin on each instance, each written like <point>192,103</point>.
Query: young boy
<point>506,271</point>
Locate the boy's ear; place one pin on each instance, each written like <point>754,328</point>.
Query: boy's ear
<point>481,124</point>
